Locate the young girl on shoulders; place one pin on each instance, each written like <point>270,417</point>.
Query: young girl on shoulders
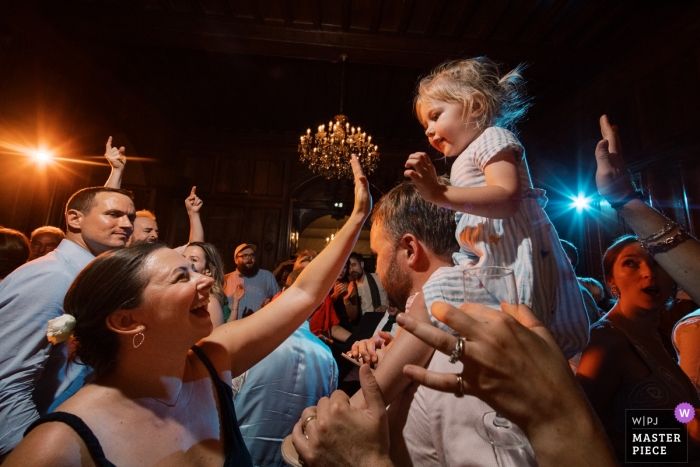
<point>467,108</point>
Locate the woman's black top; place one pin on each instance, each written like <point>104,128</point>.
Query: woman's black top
<point>236,451</point>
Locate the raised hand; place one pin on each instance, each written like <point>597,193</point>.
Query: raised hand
<point>421,171</point>
<point>363,199</point>
<point>611,177</point>
<point>115,156</point>
<point>193,203</point>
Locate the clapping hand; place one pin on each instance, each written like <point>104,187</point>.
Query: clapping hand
<point>193,203</point>
<point>115,156</point>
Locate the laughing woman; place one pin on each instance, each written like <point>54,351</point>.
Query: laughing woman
<point>161,393</point>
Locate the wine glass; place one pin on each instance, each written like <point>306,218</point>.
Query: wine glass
<point>489,286</point>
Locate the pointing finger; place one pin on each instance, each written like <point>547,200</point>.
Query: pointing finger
<point>192,192</point>
<point>109,143</point>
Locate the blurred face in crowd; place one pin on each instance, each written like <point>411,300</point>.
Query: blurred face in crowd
<point>198,261</point>
<point>42,244</point>
<point>355,268</point>
<point>108,224</point>
<point>396,282</point>
<point>245,262</point>
<point>145,231</point>
<point>342,272</point>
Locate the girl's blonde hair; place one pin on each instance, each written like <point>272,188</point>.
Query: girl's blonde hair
<point>504,100</point>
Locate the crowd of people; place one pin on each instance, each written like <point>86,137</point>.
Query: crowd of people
<point>154,355</point>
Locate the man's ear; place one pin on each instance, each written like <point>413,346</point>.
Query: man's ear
<point>74,218</point>
<point>124,322</point>
<point>410,248</point>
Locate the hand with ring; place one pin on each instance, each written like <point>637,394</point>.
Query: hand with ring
<point>512,363</point>
<point>339,434</point>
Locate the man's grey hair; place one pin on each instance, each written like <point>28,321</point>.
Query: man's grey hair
<point>403,211</point>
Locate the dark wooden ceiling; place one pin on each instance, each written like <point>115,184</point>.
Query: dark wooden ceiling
<point>272,65</point>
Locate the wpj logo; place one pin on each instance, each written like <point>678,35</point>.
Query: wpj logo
<point>657,435</point>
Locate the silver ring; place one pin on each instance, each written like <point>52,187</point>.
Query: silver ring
<point>460,387</point>
<point>457,352</point>
<point>305,422</point>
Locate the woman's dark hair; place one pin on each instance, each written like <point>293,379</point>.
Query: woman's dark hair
<point>216,268</point>
<point>112,281</point>
<point>14,250</point>
<point>611,254</point>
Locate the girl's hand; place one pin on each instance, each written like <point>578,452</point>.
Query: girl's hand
<point>421,171</point>
<point>611,176</point>
<point>363,200</point>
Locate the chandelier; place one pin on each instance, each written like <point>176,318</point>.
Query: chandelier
<point>328,152</point>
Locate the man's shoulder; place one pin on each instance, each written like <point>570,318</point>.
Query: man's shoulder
<point>265,273</point>
<point>40,268</point>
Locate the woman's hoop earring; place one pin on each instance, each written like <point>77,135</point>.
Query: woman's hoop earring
<point>133,341</point>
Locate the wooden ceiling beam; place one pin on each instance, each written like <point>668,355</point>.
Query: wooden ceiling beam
<point>287,14</point>
<point>405,18</point>
<point>376,15</point>
<point>435,17</point>
<point>465,15</point>
<point>346,15</point>
<point>316,14</point>
<point>257,11</point>
<point>240,37</point>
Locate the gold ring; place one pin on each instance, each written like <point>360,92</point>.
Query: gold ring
<point>459,392</point>
<point>305,422</point>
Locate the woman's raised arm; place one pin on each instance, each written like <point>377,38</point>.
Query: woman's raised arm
<point>680,259</point>
<point>249,340</point>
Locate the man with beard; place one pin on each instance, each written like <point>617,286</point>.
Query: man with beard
<point>370,292</point>
<point>412,240</point>
<point>259,285</point>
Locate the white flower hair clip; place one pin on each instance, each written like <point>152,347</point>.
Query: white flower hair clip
<point>60,329</point>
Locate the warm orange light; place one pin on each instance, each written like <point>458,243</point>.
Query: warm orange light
<point>42,156</point>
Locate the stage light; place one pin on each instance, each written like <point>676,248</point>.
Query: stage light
<point>581,202</point>
<point>42,156</point>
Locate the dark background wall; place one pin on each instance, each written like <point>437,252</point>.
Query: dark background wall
<point>216,94</point>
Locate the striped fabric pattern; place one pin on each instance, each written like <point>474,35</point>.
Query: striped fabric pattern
<point>526,242</point>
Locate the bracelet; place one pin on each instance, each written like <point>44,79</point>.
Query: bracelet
<point>636,194</point>
<point>667,244</point>
<point>655,236</point>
